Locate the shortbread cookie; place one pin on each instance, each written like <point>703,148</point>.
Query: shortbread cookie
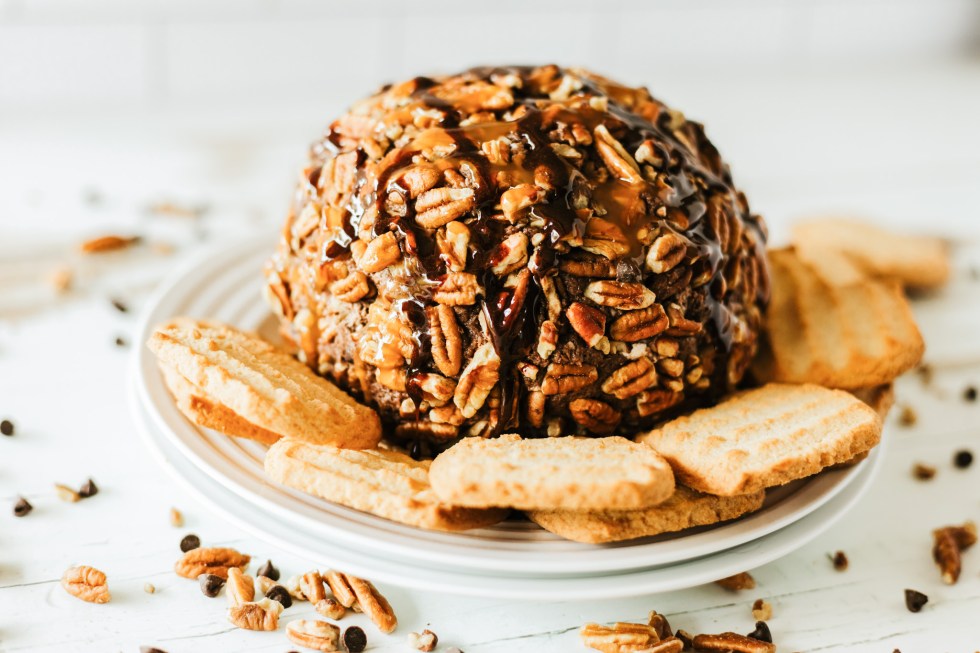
<point>765,437</point>
<point>382,482</point>
<point>263,385</point>
<point>853,335</point>
<point>552,473</point>
<point>686,508</point>
<point>206,412</point>
<point>916,261</point>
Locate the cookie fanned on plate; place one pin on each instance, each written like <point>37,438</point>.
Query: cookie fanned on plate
<point>765,437</point>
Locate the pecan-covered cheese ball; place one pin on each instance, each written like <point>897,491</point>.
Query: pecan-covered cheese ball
<point>533,250</point>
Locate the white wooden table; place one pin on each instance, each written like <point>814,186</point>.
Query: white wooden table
<point>901,146</point>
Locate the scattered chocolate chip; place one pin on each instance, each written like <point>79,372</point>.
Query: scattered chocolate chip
<point>355,640</point>
<point>190,542</point>
<point>908,416</point>
<point>915,600</point>
<point>7,427</point>
<point>22,508</point>
<point>210,584</point>
<point>963,459</point>
<point>839,561</point>
<point>761,632</point>
<point>970,394</point>
<point>268,570</point>
<point>280,594</point>
<point>121,342</point>
<point>151,649</point>
<point>90,489</point>
<point>120,306</point>
<point>923,472</point>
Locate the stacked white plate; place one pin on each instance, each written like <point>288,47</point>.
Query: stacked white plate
<point>515,559</point>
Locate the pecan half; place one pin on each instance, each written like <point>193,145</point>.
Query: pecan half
<point>655,401</point>
<point>639,325</point>
<point>591,266</point>
<point>619,638</point>
<point>215,561</point>
<point>605,238</point>
<point>330,608</point>
<point>380,253</point>
<point>666,252</point>
<point>340,588</point>
<point>732,642</point>
<point>948,543</point>
<point>740,581</point>
<point>477,380</point>
<point>316,635</point>
<point>86,583</point>
<point>631,379</point>
<point>457,289</point>
<point>561,379</point>
<point>447,345</point>
<point>258,615</point>
<point>672,367</point>
<point>311,585</point>
<point>362,595</point>
<point>616,158</point>
<point>418,178</point>
<point>352,288</point>
<point>452,241</point>
<point>589,322</point>
<point>439,206</point>
<point>619,294</point>
<point>596,416</point>
<point>240,588</point>
<point>510,255</point>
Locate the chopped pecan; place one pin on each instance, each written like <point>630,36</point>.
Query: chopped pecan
<point>618,294</point>
<point>536,407</point>
<point>590,266</point>
<point>672,367</point>
<point>655,401</point>
<point>561,379</point>
<point>354,287</point>
<point>359,594</point>
<point>547,339</point>
<point>457,289</point>
<point>639,325</point>
<point>453,241</point>
<point>477,380</point>
<point>337,178</point>
<point>761,610</point>
<point>380,253</point>
<point>241,588</point>
<point>552,302</point>
<point>330,608</point>
<point>86,583</point>
<point>340,588</point>
<point>666,252</point>
<point>519,197</point>
<point>293,587</point>
<point>616,158</point>
<point>216,560</point>
<point>436,389</point>
<point>265,583</point>
<point>474,96</point>
<point>258,615</point>
<point>740,581</point>
<point>107,244</point>
<point>447,345</point>
<point>596,416</point>
<point>733,643</point>
<point>446,415</point>
<point>510,255</point>
<point>680,325</point>
<point>619,638</point>
<point>418,178</point>
<point>311,585</point>
<point>425,641</point>
<point>589,322</point>
<point>395,378</point>
<point>605,238</point>
<point>948,543</point>
<point>660,624</point>
<point>631,379</point>
<point>314,634</point>
<point>439,206</point>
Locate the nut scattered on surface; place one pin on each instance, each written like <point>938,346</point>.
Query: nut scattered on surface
<point>87,583</point>
<point>619,637</point>
<point>314,634</point>
<point>311,585</point>
<point>907,416</point>
<point>733,643</point>
<point>840,561</point>
<point>923,472</point>
<point>355,640</point>
<point>761,610</point>
<point>215,561</point>
<point>22,508</point>
<point>65,493</point>
<point>330,608</point>
<point>425,641</point>
<point>260,615</point>
<point>210,584</point>
<point>241,587</point>
<point>295,591</point>
<point>176,518</point>
<point>190,542</point>
<point>107,244</point>
<point>149,588</point>
<point>61,279</point>
<point>915,600</point>
<point>741,581</point>
<point>948,544</point>
<point>351,591</point>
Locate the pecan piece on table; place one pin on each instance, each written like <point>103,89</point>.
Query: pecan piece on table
<point>215,561</point>
<point>314,634</point>
<point>362,595</point>
<point>241,587</point>
<point>948,544</point>
<point>258,615</point>
<point>732,642</point>
<point>86,583</point>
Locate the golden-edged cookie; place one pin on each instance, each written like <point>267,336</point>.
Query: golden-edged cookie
<point>912,260</point>
<point>379,481</point>
<point>206,412</point>
<point>264,385</point>
<point>551,473</point>
<point>686,508</point>
<point>848,335</point>
<point>765,437</point>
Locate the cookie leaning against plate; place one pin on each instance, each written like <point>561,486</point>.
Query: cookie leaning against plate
<point>264,385</point>
<point>382,482</point>
<point>686,508</point>
<point>765,437</point>
<point>848,335</point>
<point>551,473</point>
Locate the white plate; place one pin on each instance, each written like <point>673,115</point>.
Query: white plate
<point>272,527</point>
<point>226,286</point>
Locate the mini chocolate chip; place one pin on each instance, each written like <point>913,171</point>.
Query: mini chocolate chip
<point>268,570</point>
<point>453,649</point>
<point>280,594</point>
<point>119,305</point>
<point>151,649</point>
<point>970,394</point>
<point>840,561</point>
<point>923,472</point>
<point>121,342</point>
<point>7,427</point>
<point>210,584</point>
<point>761,632</point>
<point>355,640</point>
<point>915,600</point>
<point>22,507</point>
<point>963,459</point>
<point>90,489</point>
<point>190,542</point>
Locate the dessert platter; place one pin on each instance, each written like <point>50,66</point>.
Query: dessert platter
<point>521,335</point>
